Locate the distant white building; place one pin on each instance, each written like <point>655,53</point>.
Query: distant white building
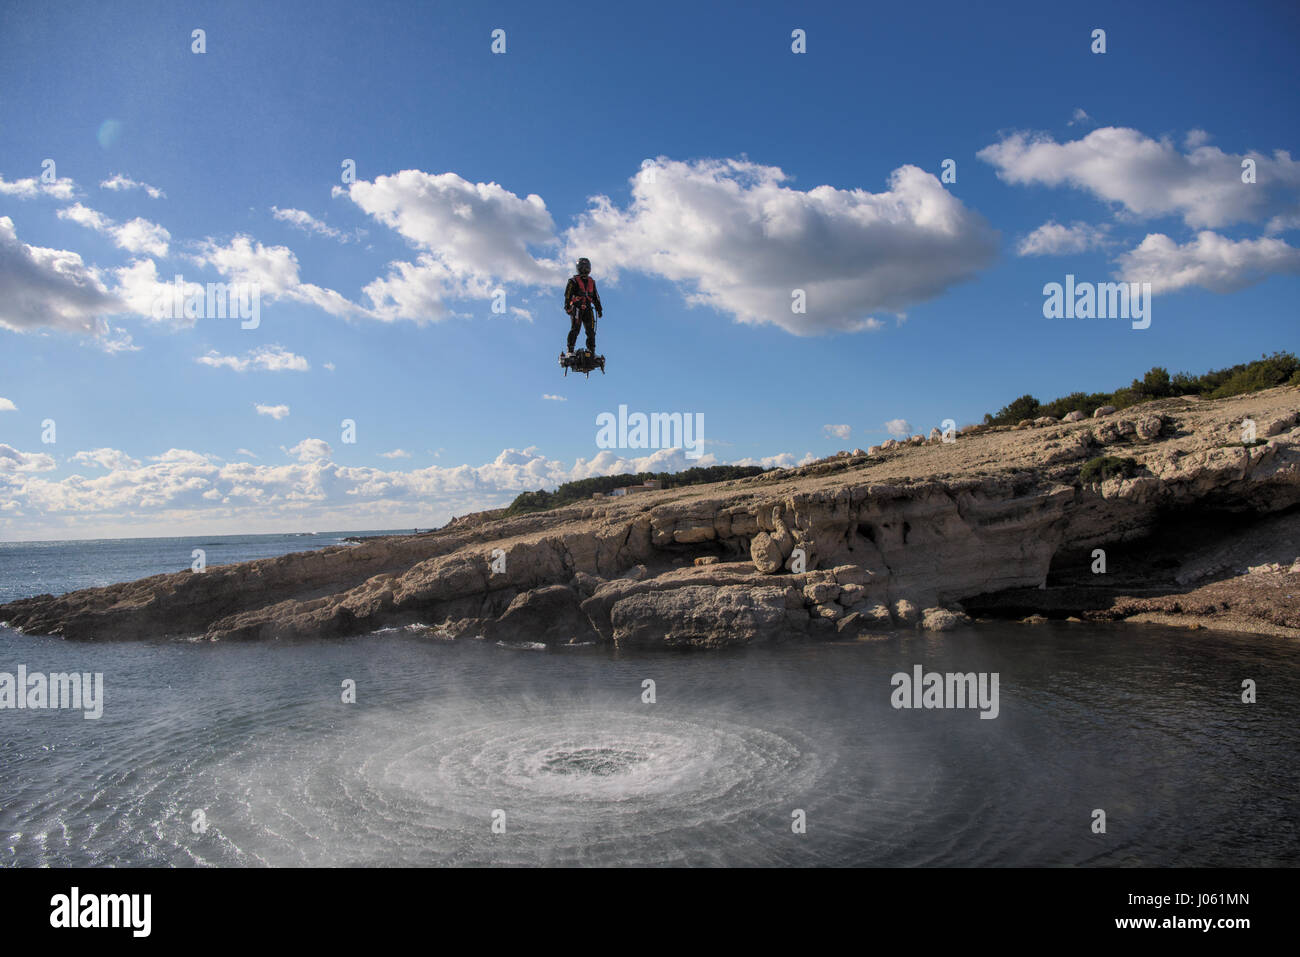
<point>649,485</point>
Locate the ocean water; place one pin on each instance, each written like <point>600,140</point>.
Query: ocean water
<point>34,568</point>
<point>481,753</point>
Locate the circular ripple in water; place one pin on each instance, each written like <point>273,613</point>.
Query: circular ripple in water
<point>584,786</point>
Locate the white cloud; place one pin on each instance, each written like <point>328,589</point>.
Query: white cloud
<point>1210,260</point>
<point>474,237</point>
<point>898,428</point>
<point>119,182</point>
<point>274,269</point>
<point>13,461</point>
<point>1080,116</point>
<point>140,288</point>
<point>741,242</point>
<point>137,236</point>
<point>782,461</point>
<point>554,398</point>
<point>276,412</point>
<point>268,358</point>
<point>328,366</point>
<point>106,458</point>
<point>114,341</point>
<point>7,405</point>
<point>395,454</point>
<point>301,219</point>
<point>49,287</point>
<point>185,489</point>
<point>32,187</point>
<point>251,455</point>
<point>838,431</point>
<point>1152,177</point>
<point>311,450</point>
<point>1053,239</point>
<point>478,230</point>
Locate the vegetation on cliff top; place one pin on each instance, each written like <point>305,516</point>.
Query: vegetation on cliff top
<point>571,492</point>
<point>1281,368</point>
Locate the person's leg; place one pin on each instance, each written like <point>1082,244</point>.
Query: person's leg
<point>589,322</point>
<point>573,330</point>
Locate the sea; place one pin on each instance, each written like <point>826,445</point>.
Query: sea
<point>1113,745</point>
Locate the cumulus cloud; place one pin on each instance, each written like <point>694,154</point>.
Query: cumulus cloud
<point>1148,177</point>
<point>139,287</point>
<point>118,181</point>
<point>32,187</point>
<point>899,428</point>
<point>106,459</point>
<point>838,431</point>
<point>301,219</point>
<point>276,412</point>
<point>137,236</point>
<point>49,287</point>
<point>13,461</point>
<point>275,271</point>
<point>1053,239</point>
<point>472,237</point>
<point>782,461</point>
<point>311,450</point>
<point>741,241</point>
<point>187,489</point>
<point>1211,261</point>
<point>395,454</point>
<point>7,405</point>
<point>271,358</point>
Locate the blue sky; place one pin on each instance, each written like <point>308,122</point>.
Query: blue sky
<point>769,171</point>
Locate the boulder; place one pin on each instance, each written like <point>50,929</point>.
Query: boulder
<point>827,611</point>
<point>1075,416</point>
<point>1103,410</point>
<point>850,623</point>
<point>905,612</point>
<point>877,616</point>
<point>851,575</point>
<point>700,616</point>
<point>766,554</point>
<point>1148,427</point>
<point>851,595</point>
<point>942,619</point>
<point>551,615</point>
<point>821,592</point>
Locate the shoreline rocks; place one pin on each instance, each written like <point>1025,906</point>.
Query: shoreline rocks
<point>842,547</point>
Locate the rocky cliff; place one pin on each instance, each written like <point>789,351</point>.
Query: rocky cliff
<point>1003,521</point>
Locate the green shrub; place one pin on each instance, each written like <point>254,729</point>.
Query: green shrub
<point>577,491</point>
<point>1281,368</point>
<point>1105,467</point>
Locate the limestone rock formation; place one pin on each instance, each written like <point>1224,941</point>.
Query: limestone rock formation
<point>846,545</point>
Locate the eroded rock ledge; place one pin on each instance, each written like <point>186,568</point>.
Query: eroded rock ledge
<point>897,537</point>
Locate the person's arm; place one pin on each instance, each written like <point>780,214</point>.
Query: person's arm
<point>568,294</point>
<point>595,299</point>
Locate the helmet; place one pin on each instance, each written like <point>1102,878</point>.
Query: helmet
<point>584,266</point>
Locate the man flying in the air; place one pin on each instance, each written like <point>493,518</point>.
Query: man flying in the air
<point>580,298</point>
